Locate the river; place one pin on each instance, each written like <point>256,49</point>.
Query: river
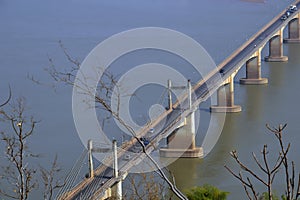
<point>30,32</point>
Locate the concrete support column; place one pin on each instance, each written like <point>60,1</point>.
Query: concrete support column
<point>293,31</point>
<point>276,49</point>
<point>189,91</point>
<point>253,71</point>
<point>181,143</point>
<point>91,165</point>
<point>170,95</point>
<point>225,98</point>
<point>116,171</point>
<point>191,119</point>
<point>191,123</point>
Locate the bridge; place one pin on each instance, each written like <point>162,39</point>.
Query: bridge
<point>179,117</point>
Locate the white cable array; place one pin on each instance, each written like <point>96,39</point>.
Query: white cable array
<point>71,177</point>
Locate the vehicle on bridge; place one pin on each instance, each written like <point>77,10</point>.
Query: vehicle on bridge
<point>145,141</point>
<point>127,157</point>
<point>292,8</point>
<point>151,131</point>
<point>222,71</point>
<point>286,15</point>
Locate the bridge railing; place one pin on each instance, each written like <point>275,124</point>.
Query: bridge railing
<point>251,39</point>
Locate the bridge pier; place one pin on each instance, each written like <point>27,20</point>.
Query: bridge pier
<point>253,71</point>
<point>225,98</point>
<point>276,48</point>
<point>293,31</point>
<point>181,143</point>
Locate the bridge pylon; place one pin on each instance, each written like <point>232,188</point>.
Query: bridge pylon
<point>118,195</point>
<point>90,159</point>
<point>293,31</point>
<point>181,142</point>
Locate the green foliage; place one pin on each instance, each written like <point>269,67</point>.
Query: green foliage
<point>283,197</point>
<point>206,192</point>
<point>265,196</point>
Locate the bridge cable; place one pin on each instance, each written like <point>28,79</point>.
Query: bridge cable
<point>71,177</point>
<point>91,188</point>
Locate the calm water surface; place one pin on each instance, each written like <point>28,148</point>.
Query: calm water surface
<point>29,35</point>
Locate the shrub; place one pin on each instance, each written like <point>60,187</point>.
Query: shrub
<point>206,192</point>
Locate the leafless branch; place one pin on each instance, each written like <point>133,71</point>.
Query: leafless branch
<point>245,187</point>
<point>298,188</point>
<point>247,169</point>
<point>270,172</point>
<point>237,176</point>
<point>48,178</point>
<point>252,189</point>
<point>258,163</point>
<point>8,98</point>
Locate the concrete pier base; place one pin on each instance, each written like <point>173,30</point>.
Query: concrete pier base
<point>228,109</point>
<point>276,59</point>
<point>197,152</point>
<point>259,81</point>
<point>291,40</point>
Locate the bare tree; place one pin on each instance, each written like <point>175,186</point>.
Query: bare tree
<point>49,181</point>
<point>292,192</point>
<point>145,186</point>
<point>104,91</point>
<point>19,174</point>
